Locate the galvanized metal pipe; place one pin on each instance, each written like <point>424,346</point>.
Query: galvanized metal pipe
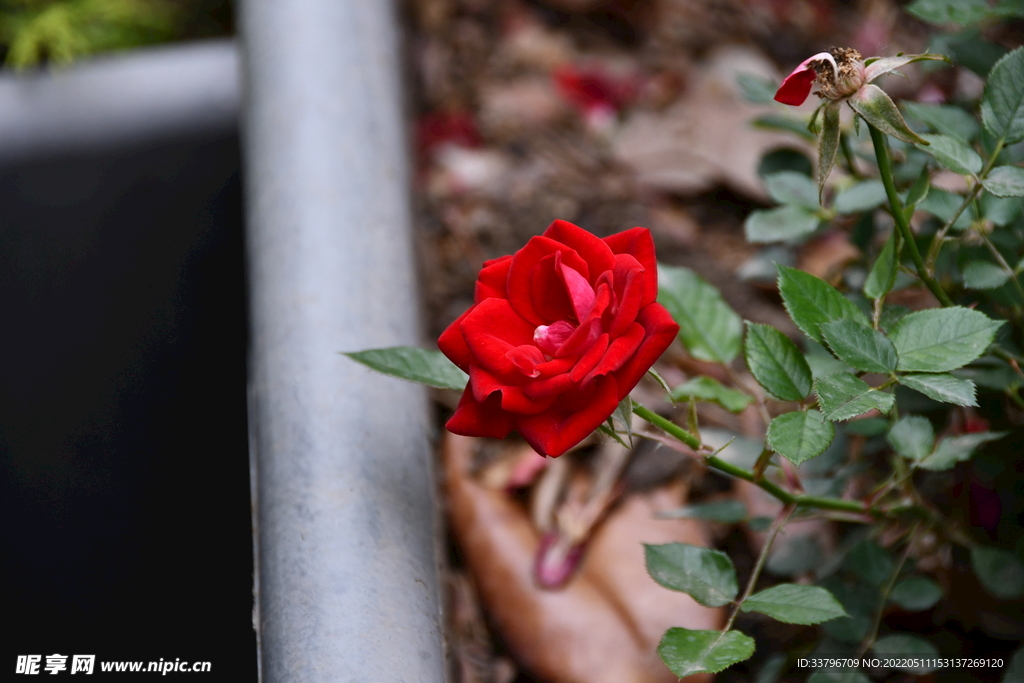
<point>343,492</point>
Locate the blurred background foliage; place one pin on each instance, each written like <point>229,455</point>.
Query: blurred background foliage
<point>36,32</point>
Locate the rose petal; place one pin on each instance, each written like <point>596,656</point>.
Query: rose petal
<point>619,351</point>
<point>629,284</point>
<point>553,434</point>
<point>513,398</point>
<point>638,243</point>
<point>660,331</point>
<point>493,279</point>
<point>580,292</point>
<point>550,338</point>
<point>492,329</point>
<point>547,290</point>
<point>797,85</point>
<point>473,418</point>
<point>589,360</point>
<point>591,248</point>
<point>581,339</point>
<point>453,344</point>
<point>520,273</point>
<point>527,357</point>
<point>551,386</point>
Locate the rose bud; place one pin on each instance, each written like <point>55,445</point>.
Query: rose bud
<point>559,333</point>
<point>839,73</point>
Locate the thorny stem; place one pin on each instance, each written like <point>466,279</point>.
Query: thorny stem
<point>885,168</point>
<point>780,521</point>
<point>787,498</point>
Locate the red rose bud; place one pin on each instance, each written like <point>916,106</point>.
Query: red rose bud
<point>839,73</point>
<point>559,333</point>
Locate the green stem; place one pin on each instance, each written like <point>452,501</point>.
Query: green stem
<point>762,557</point>
<point>726,467</point>
<point>885,168</point>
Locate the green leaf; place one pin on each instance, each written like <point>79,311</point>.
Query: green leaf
<point>953,154</point>
<point>788,222</point>
<point>795,604</point>
<point>871,562</point>
<point>724,511</point>
<point>777,363</point>
<point>704,574</point>
<point>916,594</point>
<point>883,273</point>
<point>843,396</point>
<point>687,652</point>
<point>791,187</point>
<point>954,449</point>
<point>984,275</point>
<point>1001,210</point>
<point>883,65</point>
<point>878,109</point>
<point>867,194</point>
<point>942,12</point>
<point>1002,107</point>
<point>905,646</point>
<point>943,388</point>
<point>860,346</point>
<point>913,437</point>
<point>709,329</point>
<point>869,426</point>
<point>838,676</point>
<point>414,364</point>
<point>1000,572</point>
<point>944,205</point>
<point>811,301</point>
<point>946,119</point>
<point>828,143</point>
<point>708,389</point>
<point>942,339</point>
<point>800,435</point>
<point>624,414</point>
<point>1005,181</point>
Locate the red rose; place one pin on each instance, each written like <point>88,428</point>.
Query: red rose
<point>559,333</point>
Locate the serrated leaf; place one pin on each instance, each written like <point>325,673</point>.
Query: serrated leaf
<point>687,652</point>
<point>724,511</point>
<point>791,187</point>
<point>942,12</point>
<point>1002,106</point>
<point>946,119</point>
<point>1000,572</point>
<point>1005,181</point>
<point>800,435</point>
<point>792,603</point>
<point>709,329</point>
<point>953,154</point>
<point>867,194</point>
<point>842,396</point>
<point>828,143</point>
<point>883,273</point>
<point>708,389</point>
<point>916,594</point>
<point>838,676</point>
<point>913,437</point>
<point>705,575</point>
<point>943,388</point>
<point>777,363</point>
<point>780,224</point>
<point>954,449</point>
<point>906,647</point>
<point>811,301</point>
<point>860,346</point>
<point>878,109</point>
<point>984,275</point>
<point>415,365</point>
<point>942,339</point>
